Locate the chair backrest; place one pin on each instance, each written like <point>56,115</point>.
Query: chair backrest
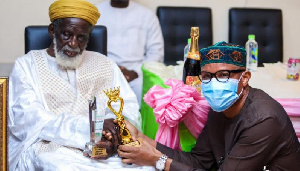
<point>37,37</point>
<point>266,24</point>
<point>176,23</point>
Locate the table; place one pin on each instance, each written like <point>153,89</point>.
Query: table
<point>271,78</point>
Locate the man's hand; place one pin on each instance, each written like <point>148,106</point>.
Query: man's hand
<point>112,133</point>
<point>145,155</point>
<point>135,133</point>
<point>129,74</point>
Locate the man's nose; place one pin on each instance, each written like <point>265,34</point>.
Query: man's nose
<point>73,43</point>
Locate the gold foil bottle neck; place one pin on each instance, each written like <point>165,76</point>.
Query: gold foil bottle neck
<point>194,31</point>
<point>194,49</point>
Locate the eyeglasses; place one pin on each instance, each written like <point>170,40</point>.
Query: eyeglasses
<point>222,75</point>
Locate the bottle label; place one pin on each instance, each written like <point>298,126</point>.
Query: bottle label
<point>253,58</point>
<point>254,55</point>
<point>194,82</point>
<point>195,56</point>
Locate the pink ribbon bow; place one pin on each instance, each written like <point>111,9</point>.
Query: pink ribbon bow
<point>171,106</point>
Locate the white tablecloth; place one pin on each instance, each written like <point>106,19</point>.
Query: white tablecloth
<point>272,79</point>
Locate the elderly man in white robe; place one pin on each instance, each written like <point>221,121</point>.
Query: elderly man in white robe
<point>49,93</point>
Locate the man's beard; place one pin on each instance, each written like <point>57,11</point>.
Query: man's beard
<point>63,60</point>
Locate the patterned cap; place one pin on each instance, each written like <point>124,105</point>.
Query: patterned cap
<point>223,52</point>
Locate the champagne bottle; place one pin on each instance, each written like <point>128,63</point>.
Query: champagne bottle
<point>191,68</point>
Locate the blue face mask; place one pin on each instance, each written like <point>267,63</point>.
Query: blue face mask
<point>221,96</point>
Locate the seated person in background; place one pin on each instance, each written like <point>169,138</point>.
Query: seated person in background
<point>133,36</point>
<point>49,93</point>
<point>246,129</point>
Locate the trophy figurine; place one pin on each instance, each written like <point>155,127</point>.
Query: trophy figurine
<point>96,126</point>
<point>114,96</point>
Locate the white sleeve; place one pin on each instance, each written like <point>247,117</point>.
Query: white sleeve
<point>131,107</point>
<point>29,120</point>
<point>67,129</point>
<point>27,116</point>
<point>155,43</point>
<point>154,47</point>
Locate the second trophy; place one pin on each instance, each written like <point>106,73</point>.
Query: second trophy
<point>114,96</point>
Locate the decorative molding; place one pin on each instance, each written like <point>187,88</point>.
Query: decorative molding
<point>3,121</point>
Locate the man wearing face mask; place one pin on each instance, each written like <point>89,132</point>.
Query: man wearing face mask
<point>246,129</point>
<point>134,36</point>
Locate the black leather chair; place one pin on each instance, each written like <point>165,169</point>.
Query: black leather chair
<point>37,37</point>
<point>266,24</point>
<point>176,23</point>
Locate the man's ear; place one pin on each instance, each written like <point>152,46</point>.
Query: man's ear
<point>51,30</point>
<point>246,78</point>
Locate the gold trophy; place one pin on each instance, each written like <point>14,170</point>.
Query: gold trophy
<point>114,96</point>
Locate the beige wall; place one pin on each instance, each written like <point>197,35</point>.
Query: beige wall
<point>15,15</point>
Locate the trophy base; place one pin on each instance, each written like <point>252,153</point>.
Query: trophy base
<point>94,152</point>
<point>136,143</point>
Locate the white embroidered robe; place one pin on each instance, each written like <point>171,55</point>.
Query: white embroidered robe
<point>49,103</point>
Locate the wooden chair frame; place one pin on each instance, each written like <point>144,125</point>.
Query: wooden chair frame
<point>3,121</point>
